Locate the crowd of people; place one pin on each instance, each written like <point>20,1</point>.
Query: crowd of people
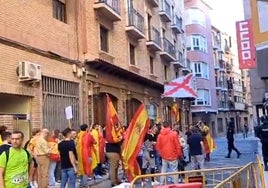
<point>63,156</point>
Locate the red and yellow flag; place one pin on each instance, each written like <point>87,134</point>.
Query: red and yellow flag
<point>113,125</point>
<point>84,149</point>
<point>175,112</point>
<point>134,138</point>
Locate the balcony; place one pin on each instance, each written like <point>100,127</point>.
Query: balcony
<point>110,9</point>
<point>227,49</point>
<point>154,42</point>
<point>168,52</point>
<point>222,66</point>
<point>244,89</point>
<point>135,28</point>
<point>216,45</point>
<point>165,11</point>
<point>216,66</point>
<point>153,3</point>
<point>239,106</point>
<point>177,25</point>
<point>186,66</point>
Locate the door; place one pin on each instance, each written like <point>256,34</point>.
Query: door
<point>22,124</point>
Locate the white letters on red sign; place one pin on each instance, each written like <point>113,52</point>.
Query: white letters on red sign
<point>245,45</point>
<point>245,41</point>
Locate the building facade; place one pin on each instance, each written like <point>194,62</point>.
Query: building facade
<point>257,12</point>
<point>200,53</point>
<point>220,84</point>
<point>59,64</point>
<point>135,47</point>
<point>38,50</point>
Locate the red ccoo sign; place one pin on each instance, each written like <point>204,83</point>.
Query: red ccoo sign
<point>245,45</point>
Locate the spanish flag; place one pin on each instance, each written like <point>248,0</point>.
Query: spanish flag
<point>112,123</point>
<point>175,112</point>
<point>84,149</point>
<point>134,138</point>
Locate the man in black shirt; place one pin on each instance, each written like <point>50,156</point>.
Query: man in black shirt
<point>67,154</point>
<point>196,149</point>
<point>6,138</point>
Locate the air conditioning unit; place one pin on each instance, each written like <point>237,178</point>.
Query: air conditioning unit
<point>29,71</point>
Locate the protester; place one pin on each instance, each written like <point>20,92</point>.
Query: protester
<point>41,153</point>
<point>30,145</point>
<point>54,156</point>
<point>196,149</point>
<point>96,152</point>
<point>67,154</point>
<point>113,151</point>
<point>208,141</point>
<point>148,151</point>
<point>169,148</point>
<point>85,143</point>
<point>14,164</point>
<point>6,141</point>
<point>2,129</point>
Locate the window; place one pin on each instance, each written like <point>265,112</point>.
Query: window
<point>59,9</point>
<point>200,69</point>
<point>176,74</point>
<point>152,111</point>
<point>262,14</point>
<point>132,54</point>
<point>195,16</point>
<point>151,65</point>
<point>203,98</point>
<point>197,43</point>
<point>104,39</point>
<point>165,72</point>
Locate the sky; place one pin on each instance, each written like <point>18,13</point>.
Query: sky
<point>225,13</point>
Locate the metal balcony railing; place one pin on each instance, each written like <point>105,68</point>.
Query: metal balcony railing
<point>113,4</point>
<point>177,22</point>
<point>135,19</point>
<point>188,63</point>
<point>155,36</point>
<point>169,48</point>
<point>166,7</point>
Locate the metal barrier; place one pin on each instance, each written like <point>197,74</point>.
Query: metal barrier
<point>249,176</point>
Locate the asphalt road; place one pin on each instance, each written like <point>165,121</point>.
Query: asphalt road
<point>248,147</point>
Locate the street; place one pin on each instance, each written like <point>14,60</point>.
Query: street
<point>248,147</point>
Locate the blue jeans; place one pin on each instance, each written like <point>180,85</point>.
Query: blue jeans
<point>68,175</point>
<point>173,167</point>
<point>52,167</point>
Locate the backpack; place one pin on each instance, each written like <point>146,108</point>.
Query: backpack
<point>7,154</point>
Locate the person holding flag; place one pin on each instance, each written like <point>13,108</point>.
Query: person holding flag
<point>113,135</point>
<point>133,141</point>
<point>85,142</point>
<point>175,111</point>
<point>96,158</point>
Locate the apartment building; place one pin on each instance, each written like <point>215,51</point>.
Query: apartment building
<point>220,85</point>
<point>257,12</point>
<point>38,48</point>
<point>134,48</point>
<point>59,64</point>
<point>200,53</point>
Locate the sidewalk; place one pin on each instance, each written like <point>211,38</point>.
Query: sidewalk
<point>251,136</point>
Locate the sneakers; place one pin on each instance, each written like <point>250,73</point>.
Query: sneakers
<point>33,184</point>
<point>228,156</point>
<point>238,155</point>
<point>154,183</point>
<point>98,177</point>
